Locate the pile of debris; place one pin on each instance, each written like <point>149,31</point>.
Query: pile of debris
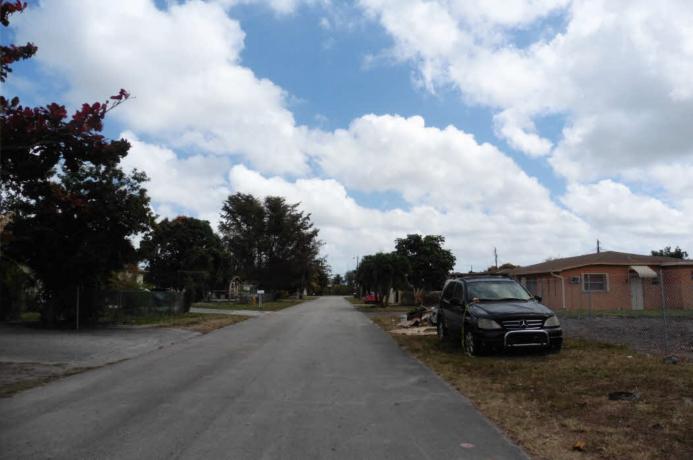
<point>416,322</point>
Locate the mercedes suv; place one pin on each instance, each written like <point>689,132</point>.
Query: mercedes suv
<point>493,312</point>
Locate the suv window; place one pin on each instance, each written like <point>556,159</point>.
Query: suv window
<point>497,290</point>
<point>447,291</point>
<point>459,292</point>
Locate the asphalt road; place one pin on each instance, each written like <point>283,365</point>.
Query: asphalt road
<point>315,381</point>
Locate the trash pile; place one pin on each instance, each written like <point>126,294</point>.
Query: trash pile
<point>416,322</point>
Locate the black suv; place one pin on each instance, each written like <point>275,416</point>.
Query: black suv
<point>493,312</point>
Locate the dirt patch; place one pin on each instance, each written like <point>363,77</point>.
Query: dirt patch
<point>212,324</point>
<point>645,335</point>
<point>558,406</point>
<point>424,330</point>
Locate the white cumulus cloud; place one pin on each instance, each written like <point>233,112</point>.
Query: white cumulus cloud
<point>183,67</point>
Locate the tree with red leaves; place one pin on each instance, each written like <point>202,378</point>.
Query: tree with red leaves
<point>69,209</point>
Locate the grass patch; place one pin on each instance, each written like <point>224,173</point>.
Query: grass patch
<point>548,403</point>
<point>381,309</point>
<point>266,306</point>
<point>200,322</point>
<point>673,313</point>
<point>11,388</point>
<point>353,300</point>
<point>30,316</point>
<point>376,308</point>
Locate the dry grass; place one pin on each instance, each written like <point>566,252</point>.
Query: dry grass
<point>200,322</point>
<point>266,306</point>
<point>376,308</point>
<point>551,404</point>
<point>23,376</point>
<point>214,322</point>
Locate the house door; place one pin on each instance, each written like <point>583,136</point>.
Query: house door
<point>636,295</point>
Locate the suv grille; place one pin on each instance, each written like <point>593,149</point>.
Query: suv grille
<point>520,324</point>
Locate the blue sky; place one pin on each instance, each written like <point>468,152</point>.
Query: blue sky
<point>534,127</point>
<point>328,74</point>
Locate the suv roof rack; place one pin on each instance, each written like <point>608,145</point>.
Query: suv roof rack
<point>457,275</point>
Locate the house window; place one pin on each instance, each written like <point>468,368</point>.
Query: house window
<point>595,282</point>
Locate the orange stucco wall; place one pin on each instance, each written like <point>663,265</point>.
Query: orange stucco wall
<point>677,289</point>
<point>678,282</point>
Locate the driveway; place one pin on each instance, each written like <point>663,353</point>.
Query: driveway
<point>84,348</point>
<point>28,354</point>
<point>314,381</point>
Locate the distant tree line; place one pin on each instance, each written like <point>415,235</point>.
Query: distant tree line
<point>418,263</point>
<point>677,253</point>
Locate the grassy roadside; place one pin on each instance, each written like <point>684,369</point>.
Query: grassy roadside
<point>557,406</point>
<point>8,389</point>
<point>371,308</point>
<point>266,306</point>
<point>199,322</point>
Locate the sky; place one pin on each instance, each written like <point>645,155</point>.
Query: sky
<point>536,127</point>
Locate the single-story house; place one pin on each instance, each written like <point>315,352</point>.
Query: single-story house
<point>610,281</point>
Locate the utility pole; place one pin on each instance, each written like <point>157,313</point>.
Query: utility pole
<point>495,257</point>
<point>598,248</point>
<point>77,308</point>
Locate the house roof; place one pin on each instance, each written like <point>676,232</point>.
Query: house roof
<point>598,258</point>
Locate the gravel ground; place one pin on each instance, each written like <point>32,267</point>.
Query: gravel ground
<point>645,335</point>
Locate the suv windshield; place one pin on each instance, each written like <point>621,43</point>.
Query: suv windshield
<point>497,290</point>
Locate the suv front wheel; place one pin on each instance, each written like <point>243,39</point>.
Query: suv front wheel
<point>472,344</point>
<point>441,329</point>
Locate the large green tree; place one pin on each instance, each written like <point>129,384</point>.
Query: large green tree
<point>430,261</point>
<point>270,242</point>
<point>319,276</point>
<point>185,253</point>
<point>71,209</point>
<point>381,272</point>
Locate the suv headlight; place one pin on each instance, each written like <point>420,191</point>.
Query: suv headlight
<point>485,323</point>
<point>552,322</point>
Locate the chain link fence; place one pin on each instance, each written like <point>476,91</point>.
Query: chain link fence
<point>650,312</point>
<point>134,302</point>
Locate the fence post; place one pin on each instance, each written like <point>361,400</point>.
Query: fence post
<point>77,308</point>
<point>664,312</point>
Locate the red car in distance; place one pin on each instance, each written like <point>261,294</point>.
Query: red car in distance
<point>371,298</point>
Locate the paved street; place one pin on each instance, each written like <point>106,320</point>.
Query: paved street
<point>314,381</point>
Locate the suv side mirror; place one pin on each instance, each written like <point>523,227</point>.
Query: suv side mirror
<point>456,301</point>
<point>538,298</point>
